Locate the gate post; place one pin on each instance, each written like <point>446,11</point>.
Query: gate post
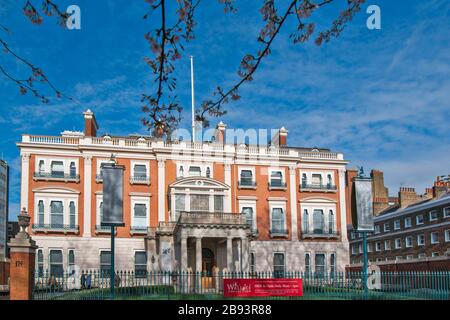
<point>22,262</point>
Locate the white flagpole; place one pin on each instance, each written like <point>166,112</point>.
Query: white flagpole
<point>193,100</point>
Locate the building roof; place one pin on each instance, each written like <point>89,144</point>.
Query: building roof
<point>395,210</point>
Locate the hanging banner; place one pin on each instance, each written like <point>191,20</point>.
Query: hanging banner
<point>112,194</point>
<point>262,287</point>
<point>363,217</point>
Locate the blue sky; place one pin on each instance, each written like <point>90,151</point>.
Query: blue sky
<point>380,96</point>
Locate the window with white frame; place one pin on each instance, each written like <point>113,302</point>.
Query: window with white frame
<point>278,220</point>
<point>409,257</point>
<point>354,249</point>
<point>40,262</point>
<point>199,202</point>
<point>377,229</point>
<point>360,248</point>
<point>332,264</point>
<point>41,166</point>
<point>180,204</point>
<point>276,178</point>
<point>304,180</point>
<point>307,263</point>
<point>387,245</point>
<point>447,235</point>
<point>378,246</point>
<point>56,214</point>
<point>305,221</point>
<point>398,243</point>
<point>421,240</point>
<point>248,212</point>
<point>422,256</point>
<point>41,212</point>
<point>246,177</point>
<point>397,225</point>
<point>140,264</point>
<point>320,264</point>
<point>386,227</point>
<point>218,203</point>
<point>278,265</point>
<point>434,237</point>
<point>140,217</point>
<point>447,212</point>
<point>57,169</point>
<point>331,222</point>
<point>195,171</point>
<point>419,219</point>
<point>71,260</point>
<point>433,215</point>
<point>72,214</point>
<point>72,169</point>
<point>316,179</point>
<point>56,263</point>
<point>369,247</point>
<point>352,236</point>
<point>139,172</point>
<point>435,254</point>
<point>408,223</point>
<point>252,262</point>
<point>318,221</point>
<point>408,242</point>
<point>105,263</point>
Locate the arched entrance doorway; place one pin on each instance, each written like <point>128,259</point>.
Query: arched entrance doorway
<point>208,263</point>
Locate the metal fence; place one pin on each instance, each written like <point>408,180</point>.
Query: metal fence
<point>95,285</point>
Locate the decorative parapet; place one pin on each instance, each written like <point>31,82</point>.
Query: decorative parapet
<point>184,146</point>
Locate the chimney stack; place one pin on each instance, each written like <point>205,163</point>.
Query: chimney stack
<point>279,139</point>
<point>220,132</point>
<point>90,124</point>
<point>407,196</point>
<point>380,193</point>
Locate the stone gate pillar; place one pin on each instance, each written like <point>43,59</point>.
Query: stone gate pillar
<point>22,262</point>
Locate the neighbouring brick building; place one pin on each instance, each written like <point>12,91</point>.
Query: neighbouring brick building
<point>415,232</point>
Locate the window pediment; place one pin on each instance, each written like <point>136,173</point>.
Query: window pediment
<point>198,182</point>
<point>60,190</point>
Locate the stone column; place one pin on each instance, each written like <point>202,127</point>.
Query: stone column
<point>244,254</point>
<point>198,263</point>
<point>183,253</point>
<point>230,254</point>
<point>87,196</point>
<point>198,254</point>
<point>24,180</point>
<point>293,200</point>
<point>161,191</point>
<point>228,200</point>
<point>23,251</point>
<point>342,205</point>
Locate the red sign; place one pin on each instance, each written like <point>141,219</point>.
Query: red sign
<point>262,287</point>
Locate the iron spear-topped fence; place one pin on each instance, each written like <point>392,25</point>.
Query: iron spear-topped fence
<point>142,285</point>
